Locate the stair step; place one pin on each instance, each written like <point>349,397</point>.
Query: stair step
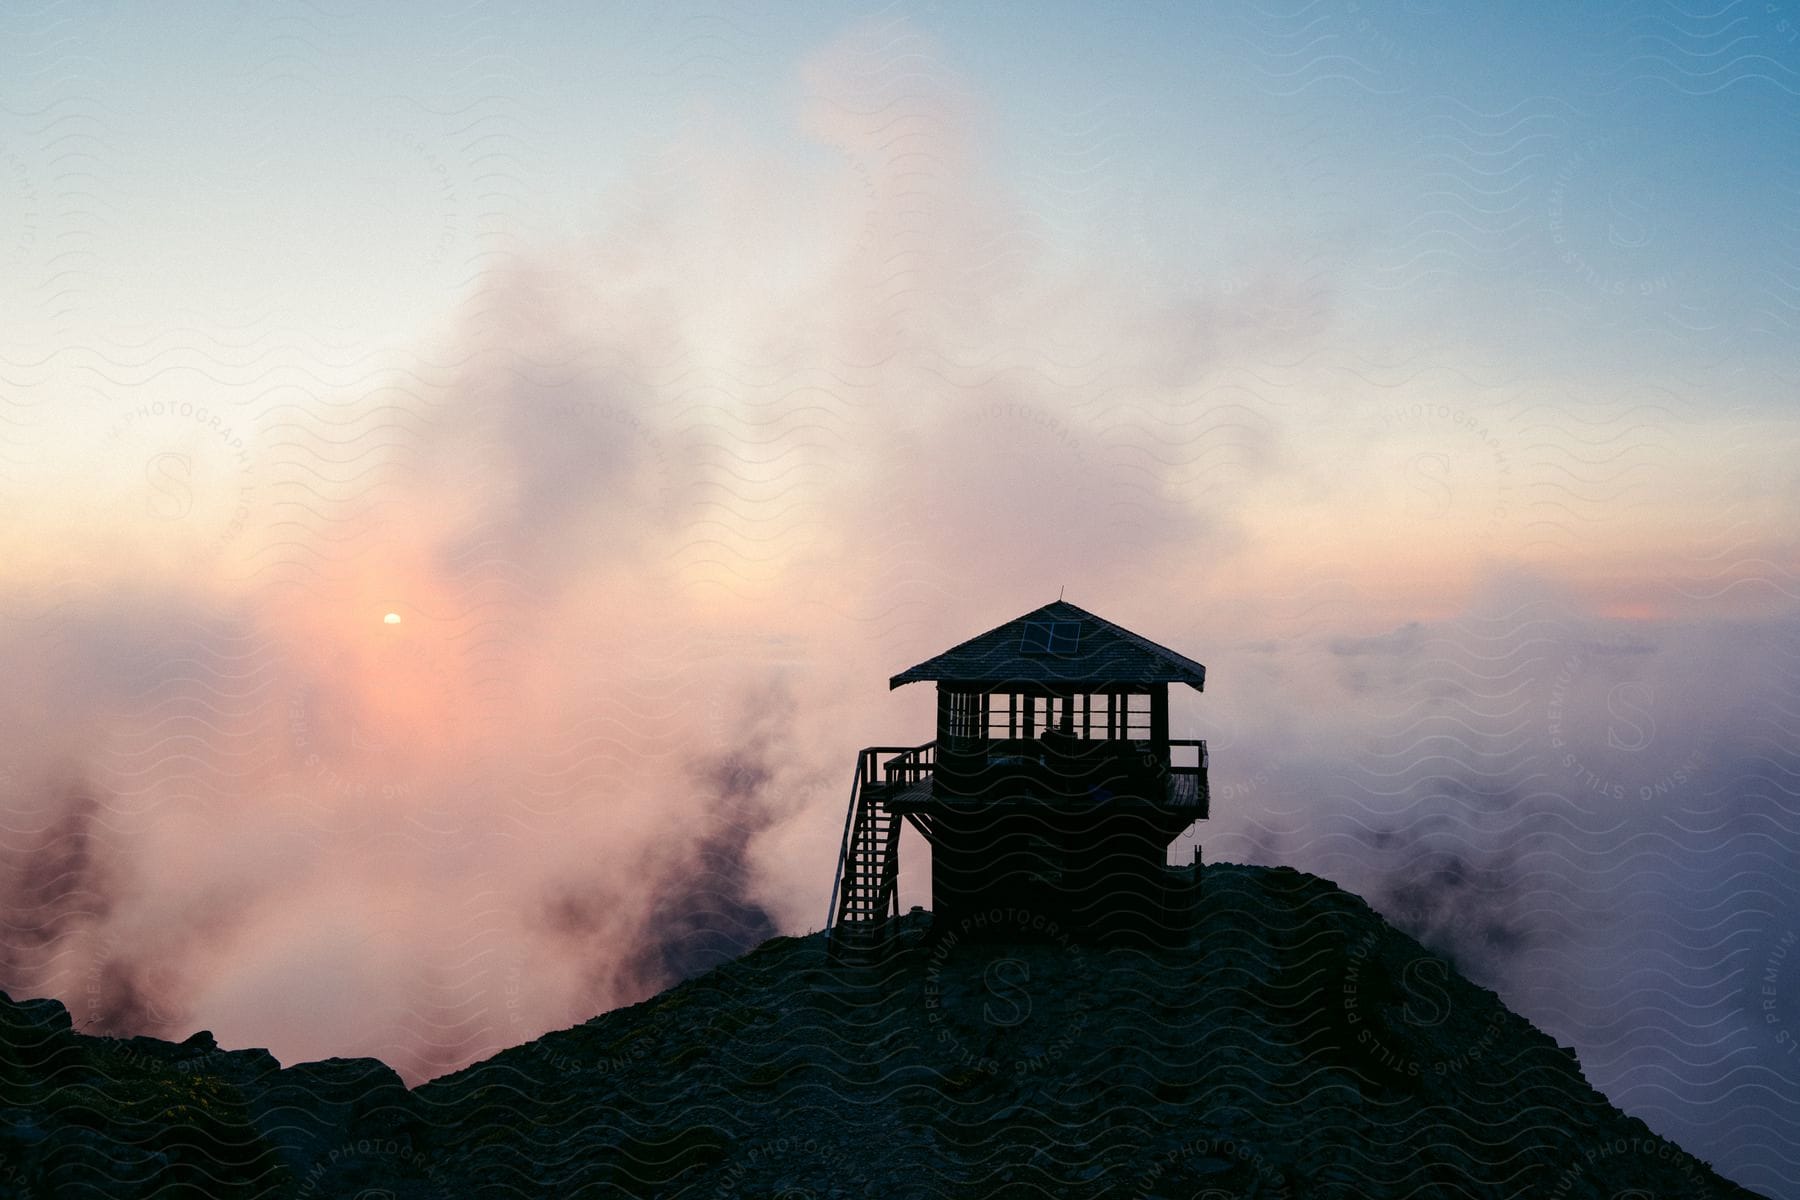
<point>866,884</point>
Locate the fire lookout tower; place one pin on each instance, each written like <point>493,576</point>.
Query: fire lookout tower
<point>1052,787</point>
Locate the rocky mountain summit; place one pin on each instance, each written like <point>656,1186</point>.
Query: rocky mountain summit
<point>1297,1047</point>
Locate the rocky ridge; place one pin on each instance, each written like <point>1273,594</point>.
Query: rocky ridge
<point>1297,1047</point>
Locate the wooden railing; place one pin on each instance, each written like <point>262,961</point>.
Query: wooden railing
<point>909,763</point>
<point>905,765</point>
<point>1187,780</point>
<point>1198,754</point>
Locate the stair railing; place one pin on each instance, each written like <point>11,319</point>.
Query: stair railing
<point>866,761</point>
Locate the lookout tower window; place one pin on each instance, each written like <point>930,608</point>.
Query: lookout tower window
<point>964,715</point>
<point>1129,715</point>
<point>1050,639</point>
<point>1112,716</point>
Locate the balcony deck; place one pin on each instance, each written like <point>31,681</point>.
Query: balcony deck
<point>912,783</point>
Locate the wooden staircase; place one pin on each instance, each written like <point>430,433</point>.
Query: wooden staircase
<point>866,894</point>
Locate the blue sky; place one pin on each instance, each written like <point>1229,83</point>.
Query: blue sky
<point>1402,143</point>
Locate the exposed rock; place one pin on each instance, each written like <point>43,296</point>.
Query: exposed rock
<point>1297,1047</point>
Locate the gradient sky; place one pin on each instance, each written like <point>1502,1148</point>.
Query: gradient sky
<point>678,373</point>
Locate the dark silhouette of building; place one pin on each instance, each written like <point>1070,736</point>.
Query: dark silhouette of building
<point>1051,792</point>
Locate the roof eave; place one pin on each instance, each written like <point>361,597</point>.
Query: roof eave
<point>900,680</point>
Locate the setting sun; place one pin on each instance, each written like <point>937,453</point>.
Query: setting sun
<point>391,619</point>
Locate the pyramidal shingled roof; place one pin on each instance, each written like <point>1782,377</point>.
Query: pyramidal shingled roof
<point>1060,644</point>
